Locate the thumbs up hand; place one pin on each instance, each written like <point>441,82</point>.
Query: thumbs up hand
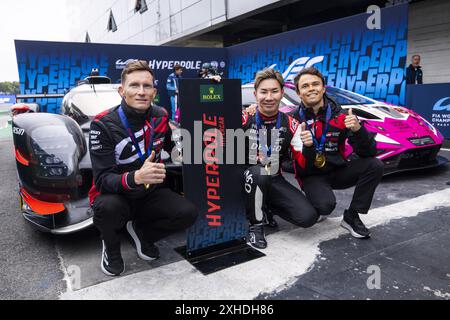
<point>352,122</point>
<point>251,109</point>
<point>151,158</point>
<point>150,172</point>
<point>306,135</point>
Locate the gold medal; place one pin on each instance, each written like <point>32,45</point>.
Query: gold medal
<point>320,160</point>
<point>267,168</point>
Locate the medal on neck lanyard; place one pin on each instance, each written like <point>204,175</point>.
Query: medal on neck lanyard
<point>320,159</point>
<point>148,152</point>
<point>267,151</point>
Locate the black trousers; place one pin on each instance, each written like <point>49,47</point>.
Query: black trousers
<point>158,215</point>
<point>364,173</point>
<point>263,192</point>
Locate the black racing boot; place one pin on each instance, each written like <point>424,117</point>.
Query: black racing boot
<point>145,250</point>
<point>353,223</point>
<point>271,222</point>
<point>256,236</point>
<point>112,262</point>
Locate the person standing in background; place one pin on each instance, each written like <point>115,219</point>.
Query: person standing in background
<point>172,87</point>
<point>414,74</point>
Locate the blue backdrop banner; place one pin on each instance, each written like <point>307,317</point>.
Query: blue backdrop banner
<point>7,99</point>
<point>431,101</point>
<point>346,51</point>
<point>53,67</point>
<point>350,55</point>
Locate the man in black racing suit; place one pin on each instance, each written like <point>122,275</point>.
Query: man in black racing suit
<point>322,166</point>
<point>125,146</point>
<point>265,187</point>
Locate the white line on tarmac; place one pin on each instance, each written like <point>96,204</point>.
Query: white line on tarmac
<point>291,252</point>
<point>63,268</point>
<point>445,149</point>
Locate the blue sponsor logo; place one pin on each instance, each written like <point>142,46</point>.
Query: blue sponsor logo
<point>440,106</point>
<point>120,64</point>
<point>298,64</point>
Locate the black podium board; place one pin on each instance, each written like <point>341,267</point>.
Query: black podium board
<point>218,238</point>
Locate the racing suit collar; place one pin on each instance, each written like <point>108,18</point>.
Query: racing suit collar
<point>266,118</point>
<point>132,113</point>
<point>309,113</point>
<point>335,108</point>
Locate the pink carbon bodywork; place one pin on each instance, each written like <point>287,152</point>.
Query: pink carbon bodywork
<point>398,130</point>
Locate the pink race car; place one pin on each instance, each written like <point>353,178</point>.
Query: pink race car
<point>405,140</point>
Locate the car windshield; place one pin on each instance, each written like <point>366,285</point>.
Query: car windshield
<point>345,97</point>
<point>342,97</point>
<point>91,103</point>
<point>247,96</point>
<point>291,95</point>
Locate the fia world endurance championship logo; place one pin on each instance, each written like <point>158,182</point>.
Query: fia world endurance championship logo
<point>440,106</point>
<point>441,113</point>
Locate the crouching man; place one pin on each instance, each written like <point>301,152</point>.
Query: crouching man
<point>322,166</point>
<point>273,135</point>
<point>125,147</point>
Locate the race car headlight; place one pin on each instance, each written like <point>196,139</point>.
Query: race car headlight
<point>49,159</point>
<point>49,164</point>
<point>56,171</point>
<point>383,139</point>
<point>423,141</point>
<point>430,126</point>
<point>54,149</point>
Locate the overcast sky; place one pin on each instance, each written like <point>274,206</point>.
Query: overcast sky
<point>28,20</point>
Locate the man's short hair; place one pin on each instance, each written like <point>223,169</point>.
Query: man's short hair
<point>268,73</point>
<point>135,65</point>
<point>177,67</point>
<point>312,71</point>
<point>415,55</point>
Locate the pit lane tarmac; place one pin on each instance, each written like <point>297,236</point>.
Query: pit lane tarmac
<point>410,219</point>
